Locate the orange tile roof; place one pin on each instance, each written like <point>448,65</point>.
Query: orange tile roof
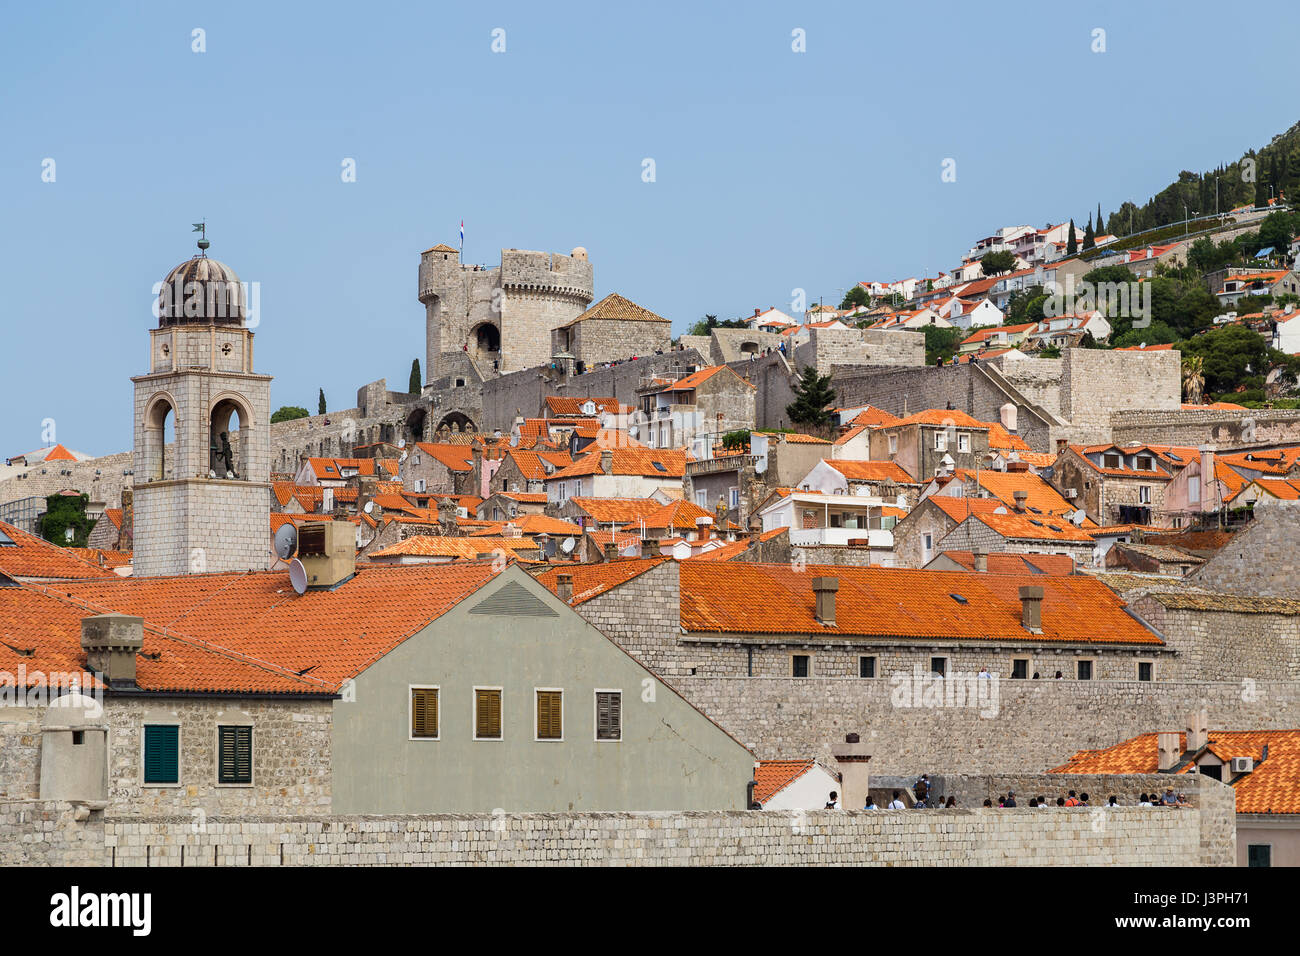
<point>1002,440</point>
<point>465,548</point>
<point>795,438</point>
<point>985,333</point>
<point>773,776</point>
<point>874,417</point>
<point>959,509</point>
<point>629,461</point>
<point>698,378</point>
<point>31,557</point>
<point>454,457</point>
<point>1040,497</point>
<point>1272,787</point>
<point>1286,489</point>
<point>102,557</point>
<point>572,404</point>
<point>727,552</point>
<point>676,515</point>
<point>1029,527</point>
<point>1006,562</point>
<point>114,516</point>
<point>616,510</point>
<point>533,524</point>
<point>623,539</point>
<point>524,497</point>
<point>871,471</point>
<point>943,417</point>
<point>59,453</point>
<point>325,636</point>
<point>738,597</point>
<point>593,580</point>
<point>614,306</point>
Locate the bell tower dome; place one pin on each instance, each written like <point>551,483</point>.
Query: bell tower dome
<point>202,497</point>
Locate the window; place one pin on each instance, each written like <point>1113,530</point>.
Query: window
<point>162,753</point>
<point>487,713</point>
<point>424,713</point>
<point>609,715</point>
<point>963,442</point>
<point>550,711</point>
<point>893,444</point>
<point>235,754</point>
<point>1110,461</point>
<point>1145,463</point>
<point>1144,494</point>
<point>702,499</point>
<point>941,441</point>
<point>927,544</point>
<point>1019,668</point>
<point>939,666</point>
<point>866,667</point>
<point>800,664</point>
<point>1259,854</point>
<point>1144,670</point>
<point>734,498</point>
<point>1083,670</point>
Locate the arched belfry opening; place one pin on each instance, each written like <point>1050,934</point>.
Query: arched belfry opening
<point>228,421</point>
<point>157,433</point>
<point>485,341</point>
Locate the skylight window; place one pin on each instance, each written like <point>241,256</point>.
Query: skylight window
<point>660,466</point>
<point>6,541</point>
<point>958,598</point>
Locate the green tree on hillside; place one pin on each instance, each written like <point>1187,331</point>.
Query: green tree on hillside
<point>287,413</point>
<point>942,343</point>
<point>1071,243</point>
<point>320,404</point>
<point>855,297</point>
<point>813,394</point>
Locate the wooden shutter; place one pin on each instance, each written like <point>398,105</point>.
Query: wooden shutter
<point>424,712</point>
<point>549,709</point>
<point>162,753</point>
<point>609,718</point>
<point>487,714</point>
<point>235,754</point>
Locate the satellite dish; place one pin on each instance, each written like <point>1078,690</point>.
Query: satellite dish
<point>605,420</point>
<point>297,576</point>
<point>286,541</point>
<point>370,506</point>
<point>567,545</point>
<point>632,431</point>
<point>1078,517</point>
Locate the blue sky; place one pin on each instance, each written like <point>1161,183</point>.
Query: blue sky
<point>775,170</point>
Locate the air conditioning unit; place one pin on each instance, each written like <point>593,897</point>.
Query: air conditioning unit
<point>1071,493</point>
<point>1243,764</point>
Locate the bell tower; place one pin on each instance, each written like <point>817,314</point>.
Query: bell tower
<point>203,498</point>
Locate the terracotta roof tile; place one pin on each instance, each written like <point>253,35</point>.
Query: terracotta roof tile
<point>773,776</point>
<point>24,555</point>
<point>593,580</point>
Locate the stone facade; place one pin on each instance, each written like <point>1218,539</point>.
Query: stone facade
<point>1039,724</point>
<point>594,341</point>
<point>1217,637</point>
<point>1202,834</point>
<point>500,318</point>
<point>1222,429</point>
<point>1260,560</point>
<point>291,756</point>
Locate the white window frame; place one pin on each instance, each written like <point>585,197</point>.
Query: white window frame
<point>941,440</point>
<point>963,442</point>
<point>473,713</point>
<point>595,714</point>
<point>1144,494</point>
<point>564,720</point>
<point>409,714</point>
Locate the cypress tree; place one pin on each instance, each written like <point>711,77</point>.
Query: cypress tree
<point>414,385</point>
<point>1071,244</point>
<point>320,406</point>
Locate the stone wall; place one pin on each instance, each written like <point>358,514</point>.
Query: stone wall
<point>1248,639</point>
<point>1221,428</point>
<point>1261,560</point>
<point>291,756</point>
<point>1202,834</point>
<point>1039,724</point>
<point>1097,382</point>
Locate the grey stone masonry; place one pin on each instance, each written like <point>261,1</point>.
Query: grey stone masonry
<point>1201,834</point>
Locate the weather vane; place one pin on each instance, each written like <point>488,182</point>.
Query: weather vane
<point>202,227</point>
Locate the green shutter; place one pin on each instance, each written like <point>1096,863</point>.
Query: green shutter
<point>162,753</point>
<point>235,754</point>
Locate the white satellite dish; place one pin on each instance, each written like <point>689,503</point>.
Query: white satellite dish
<point>297,576</point>
<point>370,506</point>
<point>401,443</point>
<point>286,541</point>
<point>632,431</point>
<point>402,458</point>
<point>1078,517</point>
<point>567,545</point>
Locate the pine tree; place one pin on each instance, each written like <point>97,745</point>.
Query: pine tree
<point>1071,244</point>
<point>812,395</point>
<point>414,386</point>
<point>1101,222</point>
<point>1089,237</point>
<point>320,407</point>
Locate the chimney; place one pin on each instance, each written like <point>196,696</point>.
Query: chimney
<point>1017,466</point>
<point>1198,731</point>
<point>611,551</point>
<point>702,527</point>
<point>824,589</point>
<point>1008,415</point>
<point>1021,496</point>
<point>564,587</point>
<point>1207,479</point>
<point>981,559</point>
<point>650,548</point>
<point>757,311</point>
<point>851,757</point>
<point>1167,751</point>
<point>1031,607</point>
<point>607,461</point>
<point>111,642</point>
<point>1060,445</point>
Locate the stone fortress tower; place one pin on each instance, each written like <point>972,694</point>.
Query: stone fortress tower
<point>493,321</point>
<point>208,507</point>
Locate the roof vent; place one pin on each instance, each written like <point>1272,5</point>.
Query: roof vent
<point>1031,607</point>
<point>824,589</point>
